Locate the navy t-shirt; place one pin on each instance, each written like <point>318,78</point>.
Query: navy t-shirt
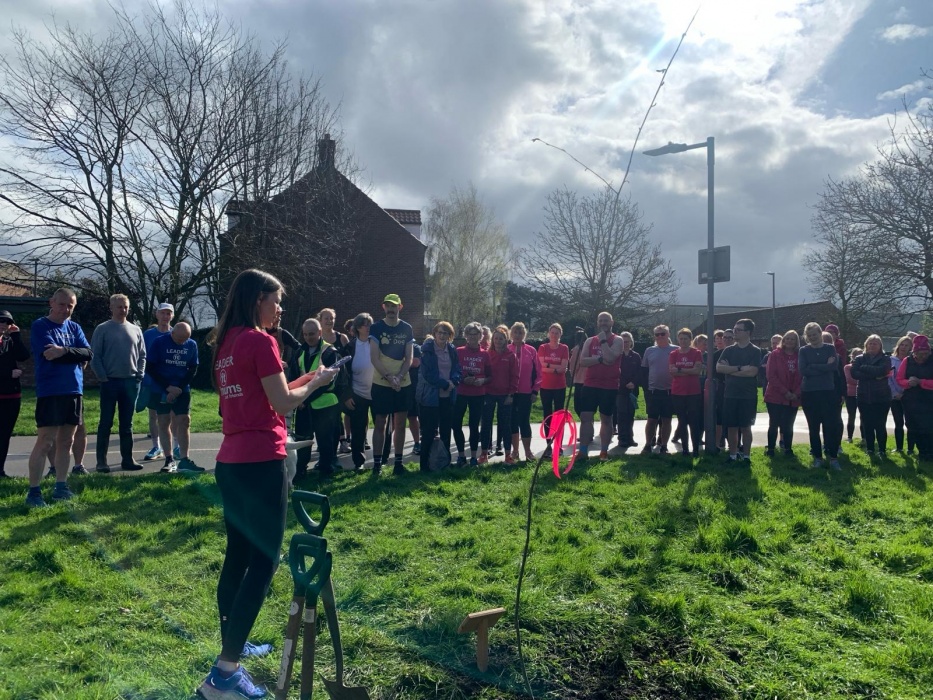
<point>171,361</point>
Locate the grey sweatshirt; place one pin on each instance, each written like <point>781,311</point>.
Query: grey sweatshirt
<point>817,374</point>
<point>119,351</point>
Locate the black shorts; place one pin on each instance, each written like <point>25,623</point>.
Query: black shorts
<point>180,406</point>
<point>658,404</point>
<point>53,411</point>
<point>387,400</point>
<point>591,398</point>
<point>739,413</point>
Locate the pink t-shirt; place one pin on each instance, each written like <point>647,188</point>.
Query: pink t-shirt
<point>553,358</point>
<point>473,363</point>
<point>253,431</point>
<point>685,385</point>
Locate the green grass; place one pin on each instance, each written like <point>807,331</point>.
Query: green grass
<point>204,417</point>
<point>648,578</point>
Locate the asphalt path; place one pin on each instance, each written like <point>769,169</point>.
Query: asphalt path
<point>203,449</point>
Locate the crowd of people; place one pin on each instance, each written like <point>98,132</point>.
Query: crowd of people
<point>263,376</point>
<point>486,385</point>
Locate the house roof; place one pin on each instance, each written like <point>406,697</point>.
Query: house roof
<point>791,316</point>
<point>405,216</point>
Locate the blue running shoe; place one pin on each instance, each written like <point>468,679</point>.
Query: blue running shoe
<point>238,686</point>
<point>255,650</point>
<point>62,494</point>
<point>36,501</point>
<point>154,453</point>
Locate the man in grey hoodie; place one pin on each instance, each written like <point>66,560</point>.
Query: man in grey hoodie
<point>120,363</point>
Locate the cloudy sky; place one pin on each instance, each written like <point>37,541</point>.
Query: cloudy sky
<point>438,93</point>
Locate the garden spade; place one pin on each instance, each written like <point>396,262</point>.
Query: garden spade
<point>301,547</point>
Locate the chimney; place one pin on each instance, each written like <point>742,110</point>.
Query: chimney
<point>326,150</point>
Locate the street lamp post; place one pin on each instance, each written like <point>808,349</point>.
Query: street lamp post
<point>710,412</point>
<point>773,325</point>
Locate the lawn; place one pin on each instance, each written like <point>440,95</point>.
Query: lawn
<point>648,577</point>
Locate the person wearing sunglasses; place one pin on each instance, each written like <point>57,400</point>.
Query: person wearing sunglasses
<point>657,381</point>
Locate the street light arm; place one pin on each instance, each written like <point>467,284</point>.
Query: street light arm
<point>674,148</point>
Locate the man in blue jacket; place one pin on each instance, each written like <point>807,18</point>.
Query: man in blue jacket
<point>59,349</point>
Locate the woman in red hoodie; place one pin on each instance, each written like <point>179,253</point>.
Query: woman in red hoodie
<point>529,382</point>
<point>500,387</point>
<point>782,396</point>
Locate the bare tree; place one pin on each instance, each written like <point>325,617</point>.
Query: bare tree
<point>128,147</point>
<point>469,252</point>
<point>595,253</point>
<point>68,107</point>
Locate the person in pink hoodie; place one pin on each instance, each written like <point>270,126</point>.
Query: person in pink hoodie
<point>851,394</point>
<point>915,377</point>
<point>782,395</point>
<point>529,382</point>
<point>500,390</point>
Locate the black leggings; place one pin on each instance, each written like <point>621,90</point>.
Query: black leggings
<point>255,501</point>
<point>9,412</point>
<point>822,411</point>
<point>689,412</point>
<point>434,420</point>
<point>781,417</point>
<point>359,428</point>
<point>521,415</point>
<point>851,406</point>
<point>874,424</point>
<point>897,412</point>
<point>504,418</point>
<point>551,400</point>
<point>475,405</point>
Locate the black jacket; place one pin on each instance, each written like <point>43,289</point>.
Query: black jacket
<point>872,375</point>
<point>12,351</point>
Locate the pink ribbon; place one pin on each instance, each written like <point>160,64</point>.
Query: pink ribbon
<point>555,433</point>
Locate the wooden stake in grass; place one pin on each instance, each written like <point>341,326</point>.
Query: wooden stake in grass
<point>480,622</point>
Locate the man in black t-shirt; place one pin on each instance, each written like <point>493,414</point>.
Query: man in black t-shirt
<point>739,363</point>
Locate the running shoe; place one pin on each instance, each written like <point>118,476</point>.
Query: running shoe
<point>186,465</point>
<point>509,459</point>
<point>131,467</point>
<point>474,462</point>
<point>817,462</point>
<point>416,448</point>
<point>344,448</point>
<point>483,457</point>
<point>499,452</point>
<point>603,456</point>
<point>62,493</point>
<point>834,465</point>
<point>154,453</point>
<point>237,686</point>
<point>548,451</point>
<point>169,467</point>
<point>36,501</point>
<point>79,470</point>
<point>399,469</point>
<point>102,468</point>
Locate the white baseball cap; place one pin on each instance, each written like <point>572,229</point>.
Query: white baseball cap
<point>163,306</point>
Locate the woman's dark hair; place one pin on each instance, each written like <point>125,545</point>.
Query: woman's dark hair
<point>579,337</point>
<point>240,308</point>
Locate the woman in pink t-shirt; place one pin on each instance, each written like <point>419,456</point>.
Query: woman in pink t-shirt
<point>686,365</point>
<point>250,472</point>
<point>554,357</point>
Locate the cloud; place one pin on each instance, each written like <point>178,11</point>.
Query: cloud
<point>904,32</point>
<point>904,90</point>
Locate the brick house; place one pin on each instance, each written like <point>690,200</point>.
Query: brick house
<point>331,245</point>
<point>789,317</point>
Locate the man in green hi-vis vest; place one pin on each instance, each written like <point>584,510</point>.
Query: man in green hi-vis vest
<point>319,415</point>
